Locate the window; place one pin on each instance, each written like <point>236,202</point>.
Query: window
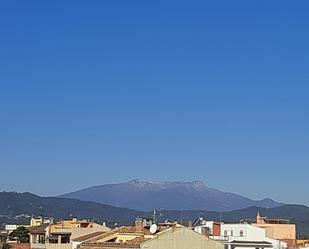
<point>65,239</point>
<point>33,238</point>
<point>42,239</point>
<point>53,239</point>
<point>241,233</point>
<point>231,232</point>
<point>225,233</point>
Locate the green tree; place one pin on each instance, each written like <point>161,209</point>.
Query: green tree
<point>21,234</point>
<point>5,246</point>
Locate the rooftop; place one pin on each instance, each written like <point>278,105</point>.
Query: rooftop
<point>89,236</point>
<point>265,220</point>
<point>126,236</point>
<point>38,229</point>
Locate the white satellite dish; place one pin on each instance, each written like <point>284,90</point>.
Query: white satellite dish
<point>153,229</point>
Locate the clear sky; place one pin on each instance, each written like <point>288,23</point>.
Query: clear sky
<point>95,92</point>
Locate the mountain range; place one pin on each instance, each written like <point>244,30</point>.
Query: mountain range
<point>17,208</point>
<point>146,196</point>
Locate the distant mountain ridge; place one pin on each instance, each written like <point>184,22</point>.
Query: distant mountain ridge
<point>181,195</point>
<point>17,208</point>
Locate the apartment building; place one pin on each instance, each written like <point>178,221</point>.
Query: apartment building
<point>278,229</point>
<point>237,236</point>
<point>34,222</point>
<point>62,234</point>
<point>38,221</point>
<point>208,228</point>
<point>161,236</point>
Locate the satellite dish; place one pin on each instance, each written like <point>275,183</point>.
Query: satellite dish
<point>153,229</point>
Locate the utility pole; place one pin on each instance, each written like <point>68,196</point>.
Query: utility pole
<point>154,216</point>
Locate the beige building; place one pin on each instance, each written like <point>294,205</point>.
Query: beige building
<point>61,235</point>
<point>279,229</point>
<point>180,238</point>
<point>38,221</point>
<point>166,236</point>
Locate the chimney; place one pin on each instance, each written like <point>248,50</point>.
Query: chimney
<point>139,225</point>
<point>190,223</point>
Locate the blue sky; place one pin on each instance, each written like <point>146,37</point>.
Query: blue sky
<point>95,92</point>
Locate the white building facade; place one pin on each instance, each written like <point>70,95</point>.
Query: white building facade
<point>204,226</point>
<point>245,236</point>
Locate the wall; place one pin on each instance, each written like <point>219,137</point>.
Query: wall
<point>279,231</point>
<point>75,233</point>
<point>58,246</point>
<point>250,233</point>
<point>284,232</point>
<point>180,238</point>
<point>213,227</point>
<point>210,225</point>
<point>19,245</point>
<point>277,244</point>
<point>38,246</point>
<point>216,229</point>
<point>75,244</point>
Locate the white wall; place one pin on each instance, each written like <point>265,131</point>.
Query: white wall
<point>210,225</point>
<point>10,228</point>
<point>75,244</point>
<point>207,224</point>
<point>249,233</point>
<point>277,244</point>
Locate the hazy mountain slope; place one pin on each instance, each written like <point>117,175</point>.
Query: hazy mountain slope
<point>12,204</point>
<point>143,195</point>
<point>297,214</point>
<point>19,207</point>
